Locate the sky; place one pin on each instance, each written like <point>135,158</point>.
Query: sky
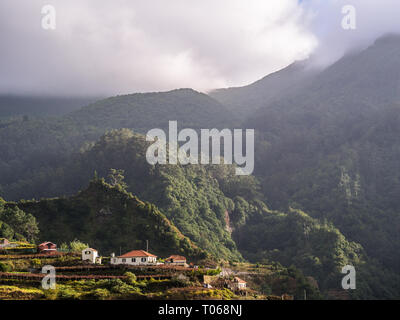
<point>102,47</point>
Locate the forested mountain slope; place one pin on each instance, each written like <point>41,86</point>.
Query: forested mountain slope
<point>188,195</point>
<point>40,106</point>
<point>330,146</point>
<point>144,111</point>
<point>243,101</point>
<point>33,146</point>
<point>357,83</point>
<point>221,213</point>
<point>333,149</point>
<point>109,219</point>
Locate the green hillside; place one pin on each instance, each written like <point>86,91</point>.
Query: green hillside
<point>244,101</point>
<point>40,106</point>
<point>316,247</point>
<point>30,147</point>
<point>17,225</point>
<point>333,149</point>
<point>144,111</point>
<point>188,195</point>
<point>222,213</point>
<point>109,219</point>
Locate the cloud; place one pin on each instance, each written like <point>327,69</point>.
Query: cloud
<point>120,46</point>
<point>373,19</point>
<point>103,47</point>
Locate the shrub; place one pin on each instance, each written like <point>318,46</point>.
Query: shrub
<point>213,272</point>
<point>131,277</point>
<point>101,294</point>
<point>36,263</point>
<point>119,286</point>
<point>77,246</point>
<point>63,247</point>
<point>5,267</point>
<point>67,293</point>
<point>181,281</point>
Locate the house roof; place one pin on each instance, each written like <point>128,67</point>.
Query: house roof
<point>89,249</point>
<point>137,253</point>
<point>237,279</point>
<point>46,243</point>
<point>175,257</point>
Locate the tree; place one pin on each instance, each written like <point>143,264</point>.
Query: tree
<point>77,246</point>
<point>116,178</point>
<point>64,247</point>
<point>15,223</point>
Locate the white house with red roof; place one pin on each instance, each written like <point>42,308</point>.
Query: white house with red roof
<point>237,284</point>
<point>135,257</point>
<point>90,255</point>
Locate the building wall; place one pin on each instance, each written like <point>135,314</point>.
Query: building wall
<point>177,262</point>
<point>89,255</point>
<point>237,286</point>
<point>138,261</point>
<point>241,285</point>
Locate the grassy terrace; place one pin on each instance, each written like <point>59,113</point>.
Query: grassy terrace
<point>20,278</point>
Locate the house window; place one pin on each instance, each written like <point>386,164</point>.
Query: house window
<point>133,259</point>
<point>143,259</point>
<point>123,260</point>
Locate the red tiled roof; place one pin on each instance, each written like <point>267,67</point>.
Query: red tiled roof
<point>174,257</point>
<point>46,243</point>
<point>137,253</point>
<point>239,280</point>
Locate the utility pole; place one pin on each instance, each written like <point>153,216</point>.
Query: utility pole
<point>305,294</point>
<point>147,245</point>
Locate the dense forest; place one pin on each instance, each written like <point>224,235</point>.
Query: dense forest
<point>324,191</point>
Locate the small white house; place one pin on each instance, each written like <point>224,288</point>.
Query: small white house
<point>90,255</point>
<point>238,284</point>
<point>135,257</point>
